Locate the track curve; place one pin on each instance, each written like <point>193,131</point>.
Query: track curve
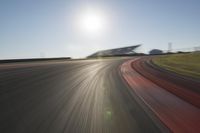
<point>179,114</point>
<point>184,87</point>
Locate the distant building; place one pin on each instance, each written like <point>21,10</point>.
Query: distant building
<point>116,52</point>
<point>155,52</point>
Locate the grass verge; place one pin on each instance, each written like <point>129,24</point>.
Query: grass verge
<point>184,64</point>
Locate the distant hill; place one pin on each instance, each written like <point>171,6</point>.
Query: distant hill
<point>33,59</point>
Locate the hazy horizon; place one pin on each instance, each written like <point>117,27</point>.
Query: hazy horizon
<point>78,28</point>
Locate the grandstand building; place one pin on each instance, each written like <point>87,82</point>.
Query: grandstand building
<point>124,51</point>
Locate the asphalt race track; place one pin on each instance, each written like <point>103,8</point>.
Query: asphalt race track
<point>87,96</point>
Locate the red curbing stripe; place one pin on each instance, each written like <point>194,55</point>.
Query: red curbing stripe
<point>172,84</point>
<point>178,115</point>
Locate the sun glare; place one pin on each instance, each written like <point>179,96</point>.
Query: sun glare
<point>92,22</point>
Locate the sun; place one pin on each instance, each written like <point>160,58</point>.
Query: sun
<point>92,22</point>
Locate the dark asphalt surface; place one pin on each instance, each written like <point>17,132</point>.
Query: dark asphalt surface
<point>85,96</point>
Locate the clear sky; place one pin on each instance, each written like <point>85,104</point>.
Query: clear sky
<point>50,28</point>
